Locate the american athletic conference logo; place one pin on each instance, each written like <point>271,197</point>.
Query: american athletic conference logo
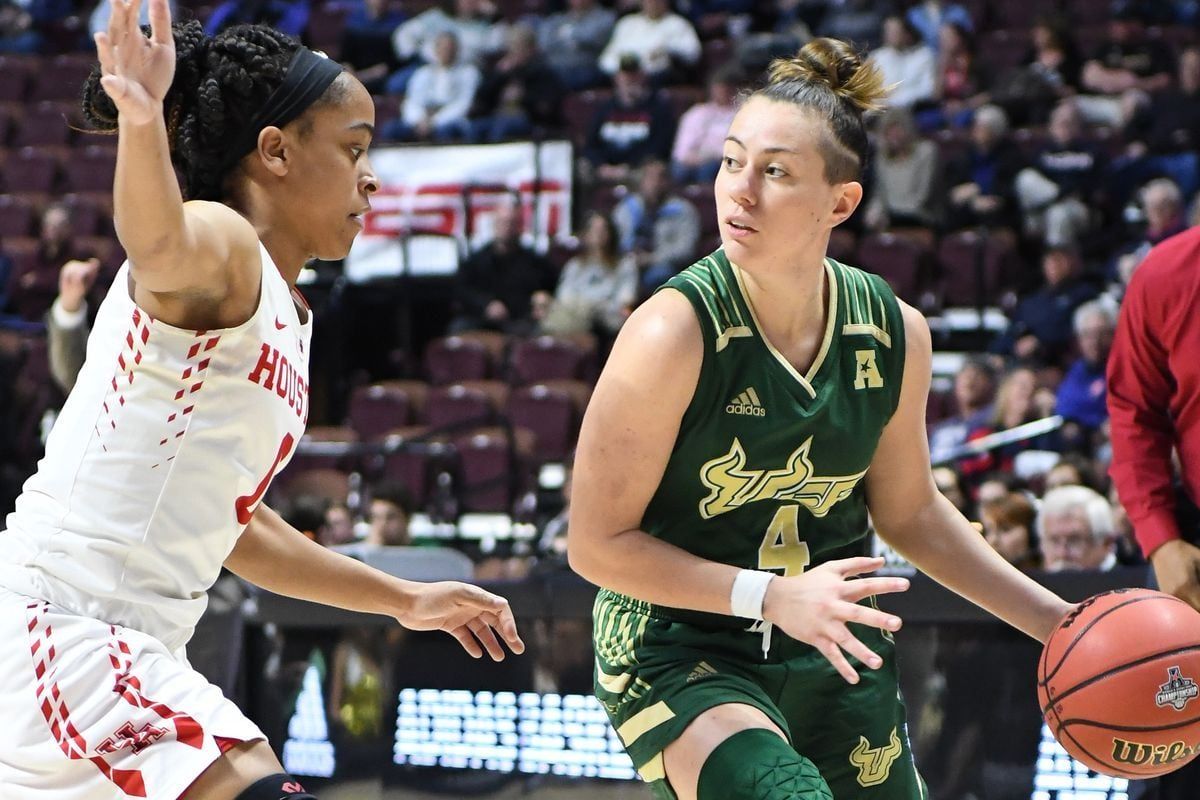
<point>1178,691</point>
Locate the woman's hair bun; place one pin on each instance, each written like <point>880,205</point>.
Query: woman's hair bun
<point>835,64</point>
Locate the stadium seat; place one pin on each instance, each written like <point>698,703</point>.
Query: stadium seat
<point>579,108</point>
<point>89,216</point>
<point>61,78</point>
<point>327,434</point>
<point>326,23</point>
<point>30,169</point>
<point>329,484</point>
<point>544,358</point>
<point>458,358</point>
<point>967,281</point>
<point>491,469</point>
<point>551,414</point>
<point>47,123</point>
<point>18,217</point>
<point>14,80</point>
<point>92,170</point>
<point>901,261</point>
<point>377,409</point>
<point>468,404</point>
<point>412,467</point>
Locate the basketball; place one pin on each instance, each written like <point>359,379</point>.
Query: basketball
<point>1117,683</point>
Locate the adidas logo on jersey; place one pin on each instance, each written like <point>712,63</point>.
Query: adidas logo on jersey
<point>746,404</point>
<point>702,670</point>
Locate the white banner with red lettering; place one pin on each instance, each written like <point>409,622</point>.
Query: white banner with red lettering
<point>435,204</point>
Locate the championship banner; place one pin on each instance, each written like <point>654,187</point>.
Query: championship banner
<point>435,204</point>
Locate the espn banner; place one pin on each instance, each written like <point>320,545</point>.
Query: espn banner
<point>435,204</point>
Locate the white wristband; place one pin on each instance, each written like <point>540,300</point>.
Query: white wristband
<point>749,590</point>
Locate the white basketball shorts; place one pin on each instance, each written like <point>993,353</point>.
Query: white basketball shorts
<point>93,711</point>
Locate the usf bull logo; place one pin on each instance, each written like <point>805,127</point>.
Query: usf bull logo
<point>875,763</point>
<point>732,486</point>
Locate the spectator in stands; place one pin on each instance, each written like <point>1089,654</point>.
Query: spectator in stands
<point>858,21</point>
<point>959,81</point>
<point>1077,530</point>
<point>518,93</point>
<point>1008,526</point>
<point>995,486</point>
<point>1123,71</point>
<point>974,392</point>
<point>904,187</point>
<point>783,28</point>
<point>700,139</point>
<point>1082,394</point>
<point>416,41</point>
<point>906,63</point>
<point>1014,406</point>
<point>33,290</point>
<point>663,42</point>
<point>497,284</point>
<point>1167,136</point>
<point>1055,191</point>
<point>387,517</point>
<point>1162,205</point>
<point>288,16</point>
<point>438,99</point>
<point>635,125</point>
<point>660,228</point>
<point>18,33</point>
<point>950,484</point>
<point>1048,74</point>
<point>367,41</point>
<point>67,326</point>
<point>981,180</point>
<point>928,18</point>
<point>1072,470</point>
<point>598,287</point>
<point>1040,328</point>
<point>338,527</point>
<point>572,41</point>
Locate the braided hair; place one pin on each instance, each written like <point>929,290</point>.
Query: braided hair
<point>830,78</point>
<point>220,82</point>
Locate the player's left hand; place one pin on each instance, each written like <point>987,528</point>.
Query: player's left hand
<point>466,612</point>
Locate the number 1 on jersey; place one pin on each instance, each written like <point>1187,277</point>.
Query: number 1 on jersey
<point>781,548</point>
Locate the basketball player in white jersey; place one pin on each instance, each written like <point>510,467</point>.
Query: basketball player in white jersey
<point>193,396</point>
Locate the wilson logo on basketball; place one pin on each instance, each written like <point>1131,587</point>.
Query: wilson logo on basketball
<point>1178,691</point>
<point>1140,753</point>
<point>136,740</point>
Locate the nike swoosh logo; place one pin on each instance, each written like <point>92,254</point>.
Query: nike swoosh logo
<point>279,325</point>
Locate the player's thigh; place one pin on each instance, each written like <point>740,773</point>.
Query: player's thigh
<point>684,758</point>
<point>240,766</point>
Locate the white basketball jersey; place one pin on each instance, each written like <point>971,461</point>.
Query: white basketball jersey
<point>159,458</point>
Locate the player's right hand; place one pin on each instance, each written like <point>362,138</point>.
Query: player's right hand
<point>815,606</point>
<point>137,71</point>
<point>1177,568</point>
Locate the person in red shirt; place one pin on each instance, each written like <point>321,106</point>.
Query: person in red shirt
<point>1154,408</point>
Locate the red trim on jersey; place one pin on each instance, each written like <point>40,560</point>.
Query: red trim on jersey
<point>187,730</point>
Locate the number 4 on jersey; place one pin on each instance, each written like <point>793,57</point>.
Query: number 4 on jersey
<point>781,548</point>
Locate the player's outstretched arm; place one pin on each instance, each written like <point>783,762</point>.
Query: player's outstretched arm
<point>912,516</point>
<point>170,250</point>
<point>627,437</point>
<point>274,555</point>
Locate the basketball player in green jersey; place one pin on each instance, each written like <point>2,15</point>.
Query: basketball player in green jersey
<point>751,413</point>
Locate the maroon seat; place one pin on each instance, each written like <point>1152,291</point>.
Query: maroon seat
<point>18,217</point>
<point>545,358</point>
<point>900,260</point>
<point>333,436</point>
<point>458,358</point>
<point>974,270</point>
<point>30,170</point>
<point>32,286</point>
<point>92,170</point>
<point>45,124</point>
<point>377,409</point>
<point>579,110</point>
<point>326,24</point>
<point>89,217</point>
<point>14,80</point>
<point>550,414</point>
<point>473,404</point>
<point>414,467</point>
<point>491,471</point>
<point>61,78</point>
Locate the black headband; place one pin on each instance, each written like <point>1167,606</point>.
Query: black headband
<point>309,74</point>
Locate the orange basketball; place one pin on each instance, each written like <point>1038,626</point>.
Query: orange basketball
<point>1118,683</point>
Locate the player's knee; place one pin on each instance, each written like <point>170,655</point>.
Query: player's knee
<point>276,787</point>
<point>756,764</point>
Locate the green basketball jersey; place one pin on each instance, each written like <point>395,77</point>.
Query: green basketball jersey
<point>767,470</point>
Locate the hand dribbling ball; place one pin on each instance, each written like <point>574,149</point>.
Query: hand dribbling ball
<point>1117,683</point>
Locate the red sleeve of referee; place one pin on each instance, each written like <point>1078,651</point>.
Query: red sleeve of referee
<point>1139,396</point>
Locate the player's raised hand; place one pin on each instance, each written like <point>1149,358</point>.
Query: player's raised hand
<point>137,71</point>
<point>815,606</point>
<point>469,614</point>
